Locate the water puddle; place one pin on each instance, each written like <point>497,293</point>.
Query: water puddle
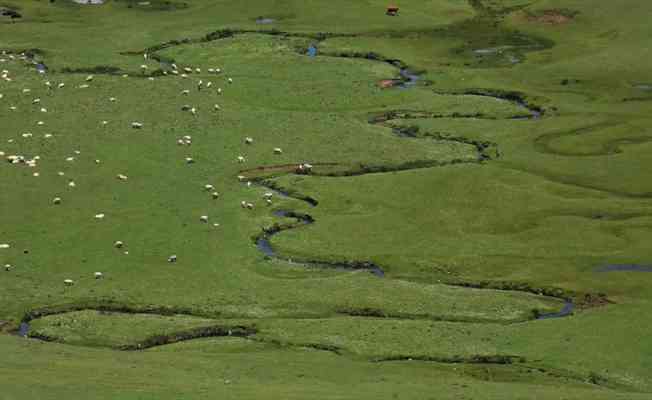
<point>565,312</point>
<point>644,86</point>
<point>312,50</point>
<point>265,21</point>
<point>624,268</point>
<point>23,330</point>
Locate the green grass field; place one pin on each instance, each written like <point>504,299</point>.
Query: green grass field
<point>484,158</point>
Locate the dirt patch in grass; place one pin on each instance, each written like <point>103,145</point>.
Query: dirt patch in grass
<point>557,16</point>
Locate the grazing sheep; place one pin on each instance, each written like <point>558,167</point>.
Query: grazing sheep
<point>143,67</point>
<point>187,70</point>
<point>219,90</point>
<point>250,206</point>
<point>172,258</point>
<point>68,282</point>
<point>268,195</point>
<point>70,159</point>
<point>89,78</point>
<point>56,200</point>
<point>215,195</point>
<point>174,66</point>
<point>97,161</point>
<point>61,85</point>
<point>216,107</point>
<point>105,122</point>
<point>200,84</point>
<point>180,142</point>
<point>118,244</point>
<point>241,159</point>
<point>122,177</point>
<point>249,140</point>
<point>72,184</point>
<point>241,178</point>
<point>243,204</point>
<point>40,123</point>
<point>36,101</point>
<point>198,70</point>
<point>150,78</point>
<point>193,111</point>
<point>84,86</point>
<point>26,90</point>
<point>98,275</point>
<point>217,70</point>
<point>36,174</point>
<point>43,109</point>
<point>189,160</point>
<point>5,246</point>
<point>136,125</point>
<point>230,80</point>
<point>99,216</point>
<point>183,75</point>
<point>203,218</point>
<point>278,150</point>
<point>112,99</point>
<point>268,201</point>
<point>7,267</point>
<point>209,84</point>
<point>185,107</point>
<point>211,70</point>
<point>208,187</point>
<point>185,92</point>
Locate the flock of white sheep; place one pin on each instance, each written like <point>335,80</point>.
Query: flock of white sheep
<point>32,162</point>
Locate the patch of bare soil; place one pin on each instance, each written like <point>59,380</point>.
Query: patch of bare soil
<point>551,17</point>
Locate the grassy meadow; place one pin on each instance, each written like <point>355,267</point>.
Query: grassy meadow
<point>489,189</point>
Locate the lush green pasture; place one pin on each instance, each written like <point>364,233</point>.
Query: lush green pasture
<point>517,164</point>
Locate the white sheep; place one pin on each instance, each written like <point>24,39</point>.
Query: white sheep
<point>5,246</point>
<point>136,125</point>
<point>68,282</point>
<point>241,159</point>
<point>71,184</point>
<point>249,140</point>
<point>278,150</point>
<point>187,70</point>
<point>36,101</point>
<point>56,200</point>
<point>112,99</point>
<point>185,92</point>
<point>190,160</point>
<point>84,86</point>
<point>89,78</point>
<point>118,244</point>
<point>211,70</point>
<point>230,80</point>
<point>99,216</point>
<point>203,218</point>
<point>98,275</point>
<point>61,85</point>
<point>193,111</point>
<point>7,267</point>
<point>172,258</point>
<point>216,107</point>
<point>215,195</point>
<point>209,84</point>
<point>122,177</point>
<point>208,187</point>
<point>143,67</point>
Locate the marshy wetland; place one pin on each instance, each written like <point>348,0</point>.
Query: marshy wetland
<point>308,199</point>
